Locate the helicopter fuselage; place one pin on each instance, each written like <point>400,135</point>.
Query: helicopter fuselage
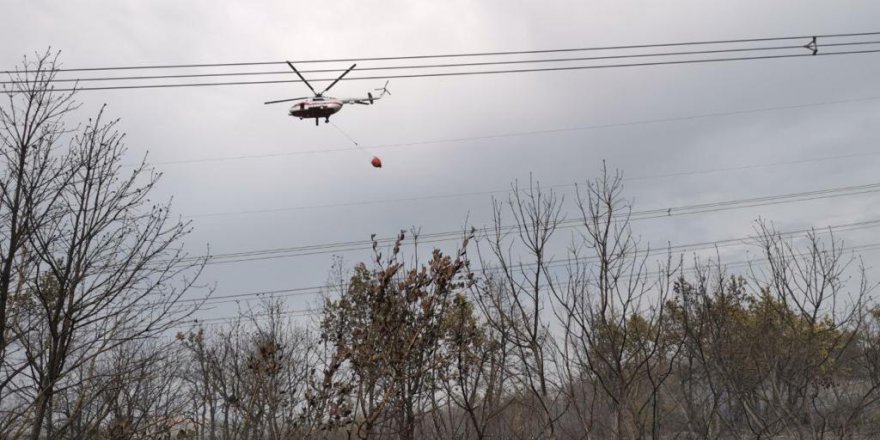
<point>316,108</point>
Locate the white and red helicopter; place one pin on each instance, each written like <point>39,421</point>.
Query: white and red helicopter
<point>321,106</point>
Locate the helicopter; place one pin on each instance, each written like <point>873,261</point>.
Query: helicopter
<point>321,106</point>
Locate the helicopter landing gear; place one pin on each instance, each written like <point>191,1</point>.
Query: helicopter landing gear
<point>317,122</point>
<point>327,120</point>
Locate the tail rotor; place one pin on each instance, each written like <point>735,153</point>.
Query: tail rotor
<point>384,90</point>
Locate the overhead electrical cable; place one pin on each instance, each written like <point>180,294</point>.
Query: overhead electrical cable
<point>523,133</point>
<point>505,191</point>
<point>323,248</point>
<point>435,66</point>
<point>317,290</point>
<point>470,54</point>
<point>353,248</point>
<point>469,73</point>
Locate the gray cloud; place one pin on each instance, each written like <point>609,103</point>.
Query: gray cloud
<point>179,124</point>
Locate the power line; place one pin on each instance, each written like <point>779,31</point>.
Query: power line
<point>468,54</point>
<point>324,248</point>
<point>221,319</point>
<point>278,255</point>
<point>760,165</point>
<point>471,73</point>
<point>314,290</point>
<point>437,66</point>
<point>504,191</point>
<point>526,133</point>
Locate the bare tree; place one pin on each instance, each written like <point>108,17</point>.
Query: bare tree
<point>248,378</point>
<point>133,392</point>
<point>614,317</point>
<point>94,263</point>
<point>515,299</point>
<point>31,127</point>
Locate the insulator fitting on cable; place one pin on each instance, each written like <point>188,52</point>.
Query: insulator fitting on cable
<point>813,46</point>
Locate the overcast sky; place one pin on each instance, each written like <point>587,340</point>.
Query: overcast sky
<point>217,122</point>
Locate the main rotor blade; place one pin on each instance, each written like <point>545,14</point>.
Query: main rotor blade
<point>285,100</point>
<point>301,77</point>
<point>337,79</point>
